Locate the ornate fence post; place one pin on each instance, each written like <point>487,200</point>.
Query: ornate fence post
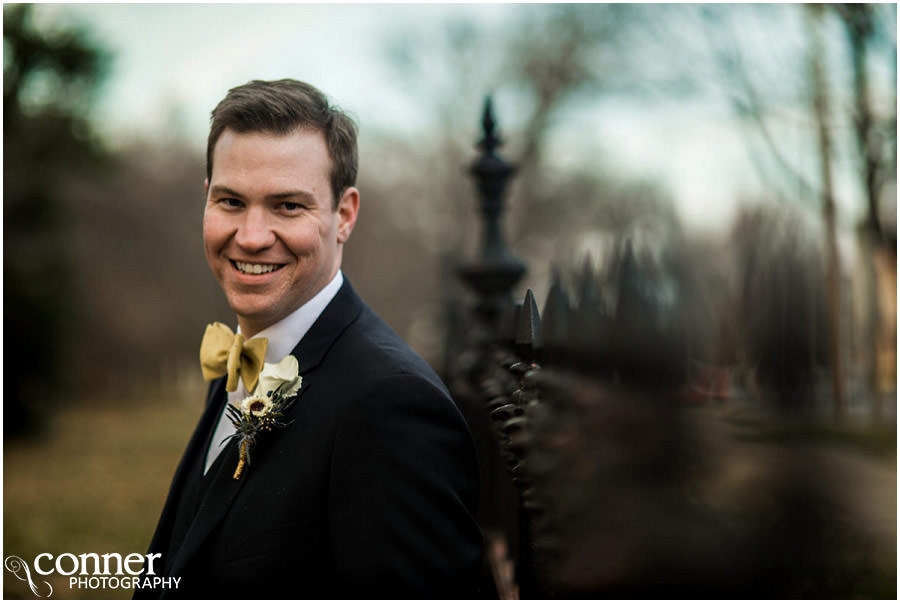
<point>496,270</point>
<point>478,347</point>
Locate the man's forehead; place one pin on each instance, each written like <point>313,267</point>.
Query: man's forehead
<point>273,135</point>
<point>264,147</point>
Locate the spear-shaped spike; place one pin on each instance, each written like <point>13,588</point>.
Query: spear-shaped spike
<point>588,295</point>
<point>555,321</point>
<point>588,328</point>
<point>630,301</point>
<point>529,321</point>
<point>627,254</point>
<point>555,276</point>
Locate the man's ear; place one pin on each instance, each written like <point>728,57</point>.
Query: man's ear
<point>347,210</point>
<point>206,187</point>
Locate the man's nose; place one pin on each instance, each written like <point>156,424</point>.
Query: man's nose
<point>255,232</point>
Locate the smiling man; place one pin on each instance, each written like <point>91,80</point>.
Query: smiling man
<point>366,486</point>
<point>272,233</point>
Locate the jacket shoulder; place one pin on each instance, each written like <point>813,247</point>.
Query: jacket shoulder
<point>373,353</point>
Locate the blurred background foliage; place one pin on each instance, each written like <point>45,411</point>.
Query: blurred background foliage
<point>107,291</point>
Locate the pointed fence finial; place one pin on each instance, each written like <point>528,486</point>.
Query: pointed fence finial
<point>632,302</point>
<point>555,319</point>
<point>491,139</point>
<point>529,321</point>
<point>588,294</point>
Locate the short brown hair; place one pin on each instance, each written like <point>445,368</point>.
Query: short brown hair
<point>281,106</point>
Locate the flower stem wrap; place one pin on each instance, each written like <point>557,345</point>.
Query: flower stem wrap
<point>242,461</point>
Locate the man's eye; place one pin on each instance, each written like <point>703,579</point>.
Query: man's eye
<point>289,206</point>
<point>231,202</point>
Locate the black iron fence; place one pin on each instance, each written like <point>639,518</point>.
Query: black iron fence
<point>602,474</point>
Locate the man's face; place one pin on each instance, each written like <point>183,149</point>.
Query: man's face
<point>271,235</point>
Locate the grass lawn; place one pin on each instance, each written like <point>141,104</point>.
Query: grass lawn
<point>94,483</point>
<point>97,480</point>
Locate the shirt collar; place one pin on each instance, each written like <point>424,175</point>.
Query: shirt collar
<point>285,334</point>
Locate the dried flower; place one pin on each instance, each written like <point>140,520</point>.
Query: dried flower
<point>257,405</point>
<point>264,408</point>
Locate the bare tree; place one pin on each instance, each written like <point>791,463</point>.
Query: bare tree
<point>877,161</point>
<point>832,260</point>
<point>818,113</point>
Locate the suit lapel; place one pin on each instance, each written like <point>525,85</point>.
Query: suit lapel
<point>222,489</point>
<point>337,316</point>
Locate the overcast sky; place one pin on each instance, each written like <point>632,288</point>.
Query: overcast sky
<point>177,58</point>
<point>173,62</point>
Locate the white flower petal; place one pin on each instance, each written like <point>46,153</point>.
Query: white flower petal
<point>294,387</point>
<point>287,369</point>
<point>274,376</point>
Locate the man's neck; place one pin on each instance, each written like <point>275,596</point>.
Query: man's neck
<point>286,332</point>
<point>249,328</point>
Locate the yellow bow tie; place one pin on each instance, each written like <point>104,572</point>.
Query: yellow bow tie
<point>222,352</point>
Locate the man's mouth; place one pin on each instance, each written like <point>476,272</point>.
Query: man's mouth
<point>248,268</point>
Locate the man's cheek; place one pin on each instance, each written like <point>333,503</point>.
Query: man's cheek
<point>215,231</point>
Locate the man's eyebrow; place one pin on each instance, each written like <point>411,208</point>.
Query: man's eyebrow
<point>306,196</point>
<point>220,189</point>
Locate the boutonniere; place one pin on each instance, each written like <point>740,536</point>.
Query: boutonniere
<point>264,409</point>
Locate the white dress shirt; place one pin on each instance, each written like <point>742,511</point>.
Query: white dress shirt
<point>283,337</point>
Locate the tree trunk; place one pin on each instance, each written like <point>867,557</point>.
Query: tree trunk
<point>858,24</point>
<point>832,259</point>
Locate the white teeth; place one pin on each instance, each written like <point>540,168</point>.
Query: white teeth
<point>255,268</point>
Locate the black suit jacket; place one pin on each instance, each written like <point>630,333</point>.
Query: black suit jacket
<point>369,493</point>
